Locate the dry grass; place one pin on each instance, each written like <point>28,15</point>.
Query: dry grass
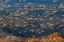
<point>56,37</point>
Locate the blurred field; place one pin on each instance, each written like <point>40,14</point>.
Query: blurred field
<point>55,37</point>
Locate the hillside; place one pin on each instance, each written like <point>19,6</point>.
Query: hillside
<point>55,37</point>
